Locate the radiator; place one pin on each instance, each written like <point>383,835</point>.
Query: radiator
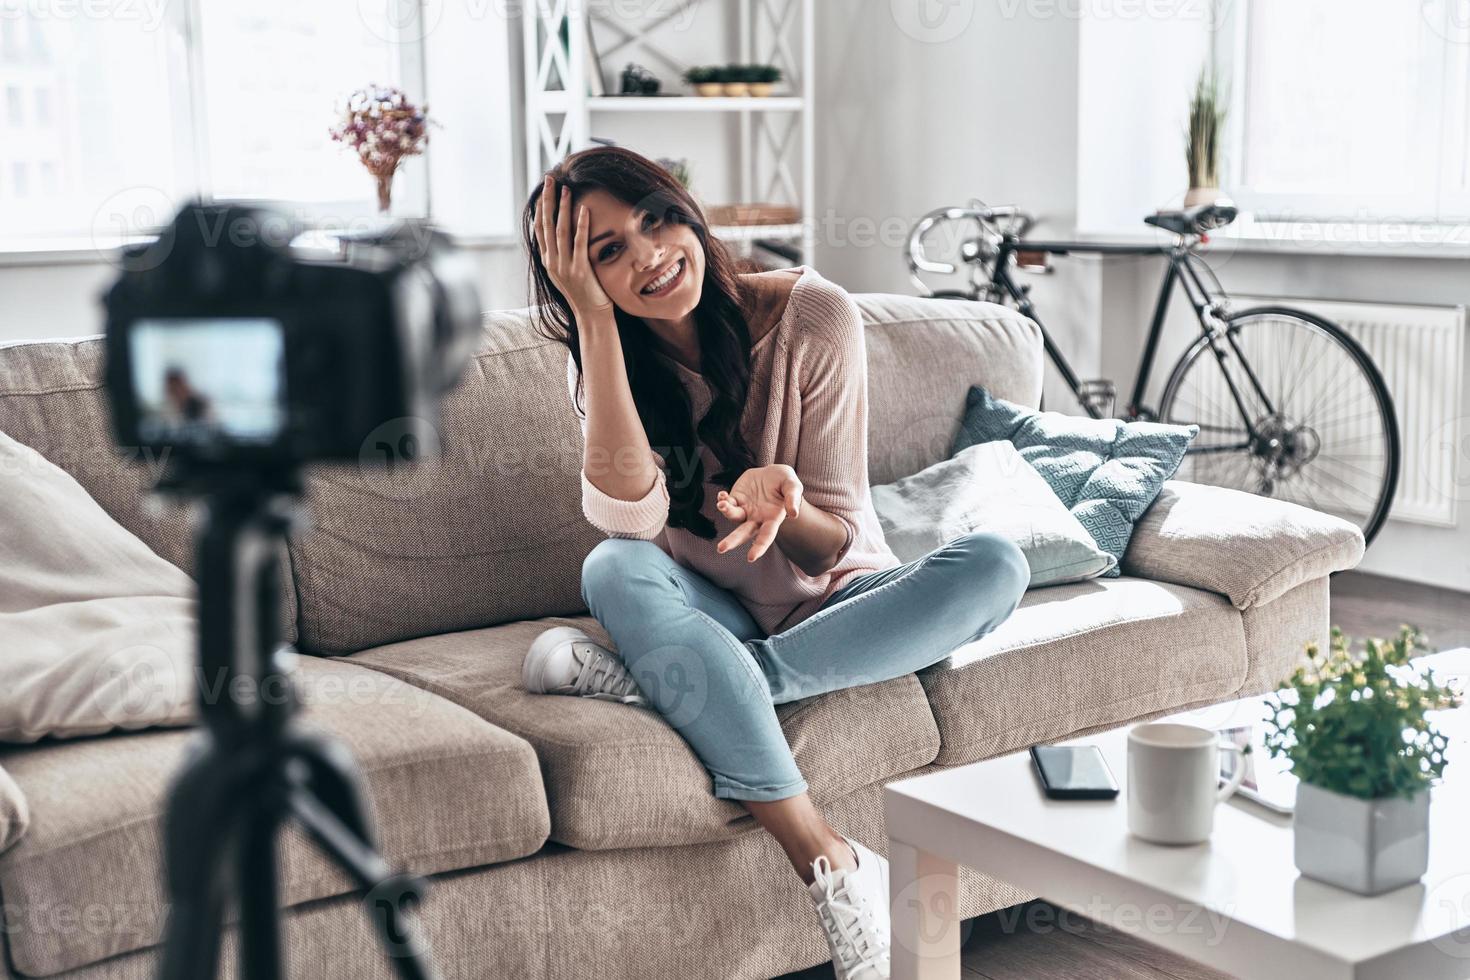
<point>1420,351</point>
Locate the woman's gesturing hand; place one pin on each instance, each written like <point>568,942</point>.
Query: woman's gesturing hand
<point>562,239</point>
<point>760,500</point>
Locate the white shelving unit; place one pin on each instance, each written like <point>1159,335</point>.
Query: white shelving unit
<point>775,146</point>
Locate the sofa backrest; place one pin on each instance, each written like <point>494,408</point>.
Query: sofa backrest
<point>923,356</point>
<point>492,530</point>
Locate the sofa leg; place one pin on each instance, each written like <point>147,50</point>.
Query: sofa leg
<point>924,907</point>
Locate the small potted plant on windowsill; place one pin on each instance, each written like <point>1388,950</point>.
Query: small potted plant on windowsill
<point>1202,140</point>
<point>1354,728</point>
<point>705,79</point>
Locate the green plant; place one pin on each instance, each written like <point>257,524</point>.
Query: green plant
<point>678,169</point>
<point>764,73</point>
<point>701,74</point>
<point>1202,138</point>
<point>738,73</point>
<point>1354,723</point>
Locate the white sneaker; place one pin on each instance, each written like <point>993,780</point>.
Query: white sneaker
<point>564,660</point>
<point>853,906</point>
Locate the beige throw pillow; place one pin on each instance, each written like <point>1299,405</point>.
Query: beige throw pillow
<point>989,487</point>
<point>96,631</point>
<point>15,813</point>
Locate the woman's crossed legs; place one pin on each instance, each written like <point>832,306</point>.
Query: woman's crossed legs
<point>703,663</point>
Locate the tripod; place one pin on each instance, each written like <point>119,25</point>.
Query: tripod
<point>252,768</point>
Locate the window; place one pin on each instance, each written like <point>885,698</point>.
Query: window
<point>1345,109</point>
<point>273,73</point>
<point>114,120</point>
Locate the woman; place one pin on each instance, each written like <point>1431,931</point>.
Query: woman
<point>724,420</point>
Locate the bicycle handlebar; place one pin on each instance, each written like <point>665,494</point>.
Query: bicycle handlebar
<point>985,217</point>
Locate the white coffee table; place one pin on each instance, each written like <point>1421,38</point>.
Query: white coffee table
<point>1235,903</point>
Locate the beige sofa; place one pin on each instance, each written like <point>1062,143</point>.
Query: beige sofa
<point>578,839</point>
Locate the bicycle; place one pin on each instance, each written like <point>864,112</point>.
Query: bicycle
<point>1288,404</point>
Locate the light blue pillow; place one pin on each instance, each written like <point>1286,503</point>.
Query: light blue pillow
<point>1106,471</point>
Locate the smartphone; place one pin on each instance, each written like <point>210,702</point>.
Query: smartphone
<point>1074,772</point>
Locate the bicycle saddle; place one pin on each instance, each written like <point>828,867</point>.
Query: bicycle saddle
<point>1194,221</point>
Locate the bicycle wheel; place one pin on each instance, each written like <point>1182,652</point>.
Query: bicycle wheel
<point>1293,408</point>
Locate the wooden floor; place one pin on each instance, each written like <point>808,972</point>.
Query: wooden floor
<point>1370,605</point>
<point>1038,941</point>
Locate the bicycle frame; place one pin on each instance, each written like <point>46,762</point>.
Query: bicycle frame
<point>1180,272</point>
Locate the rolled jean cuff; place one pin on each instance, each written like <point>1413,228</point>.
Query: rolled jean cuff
<point>728,789</point>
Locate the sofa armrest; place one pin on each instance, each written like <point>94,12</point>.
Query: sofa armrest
<point>15,812</point>
<point>1249,548</point>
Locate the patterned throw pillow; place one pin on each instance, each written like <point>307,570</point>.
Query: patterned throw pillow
<point>1106,471</point>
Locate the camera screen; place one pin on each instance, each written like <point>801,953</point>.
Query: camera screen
<point>201,381</point>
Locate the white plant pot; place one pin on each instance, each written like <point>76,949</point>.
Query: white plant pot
<point>1201,195</point>
<point>1365,846</point>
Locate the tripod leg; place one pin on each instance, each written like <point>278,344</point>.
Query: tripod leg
<point>260,923</point>
<point>330,805</point>
<point>195,865</point>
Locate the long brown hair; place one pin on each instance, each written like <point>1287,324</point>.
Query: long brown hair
<point>721,323</point>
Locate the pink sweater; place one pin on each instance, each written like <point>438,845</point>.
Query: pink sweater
<point>807,408</point>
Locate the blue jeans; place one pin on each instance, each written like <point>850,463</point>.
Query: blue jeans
<point>703,663</point>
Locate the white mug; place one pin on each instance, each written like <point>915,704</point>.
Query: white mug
<point>1173,782</point>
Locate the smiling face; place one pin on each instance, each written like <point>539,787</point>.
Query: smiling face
<point>649,268</point>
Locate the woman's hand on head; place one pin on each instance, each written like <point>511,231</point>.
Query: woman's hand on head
<point>759,502</point>
<point>561,237</point>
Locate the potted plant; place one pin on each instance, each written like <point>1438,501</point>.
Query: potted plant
<point>705,80</point>
<point>1202,140</point>
<point>763,79</point>
<point>736,79</point>
<point>678,169</point>
<point>382,127</point>
<point>1354,728</point>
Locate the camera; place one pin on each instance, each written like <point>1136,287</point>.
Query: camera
<point>229,344</point>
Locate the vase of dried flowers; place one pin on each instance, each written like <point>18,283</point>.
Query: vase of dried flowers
<point>383,127</point>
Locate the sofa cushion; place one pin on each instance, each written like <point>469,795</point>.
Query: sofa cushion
<point>923,356</point>
<point>1081,656</point>
<point>619,776</point>
<point>1249,548</point>
<point>52,399</point>
<point>446,789</point>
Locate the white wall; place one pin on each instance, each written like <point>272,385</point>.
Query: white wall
<point>913,115</point>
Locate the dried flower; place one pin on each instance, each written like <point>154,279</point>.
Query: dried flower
<point>383,127</point>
